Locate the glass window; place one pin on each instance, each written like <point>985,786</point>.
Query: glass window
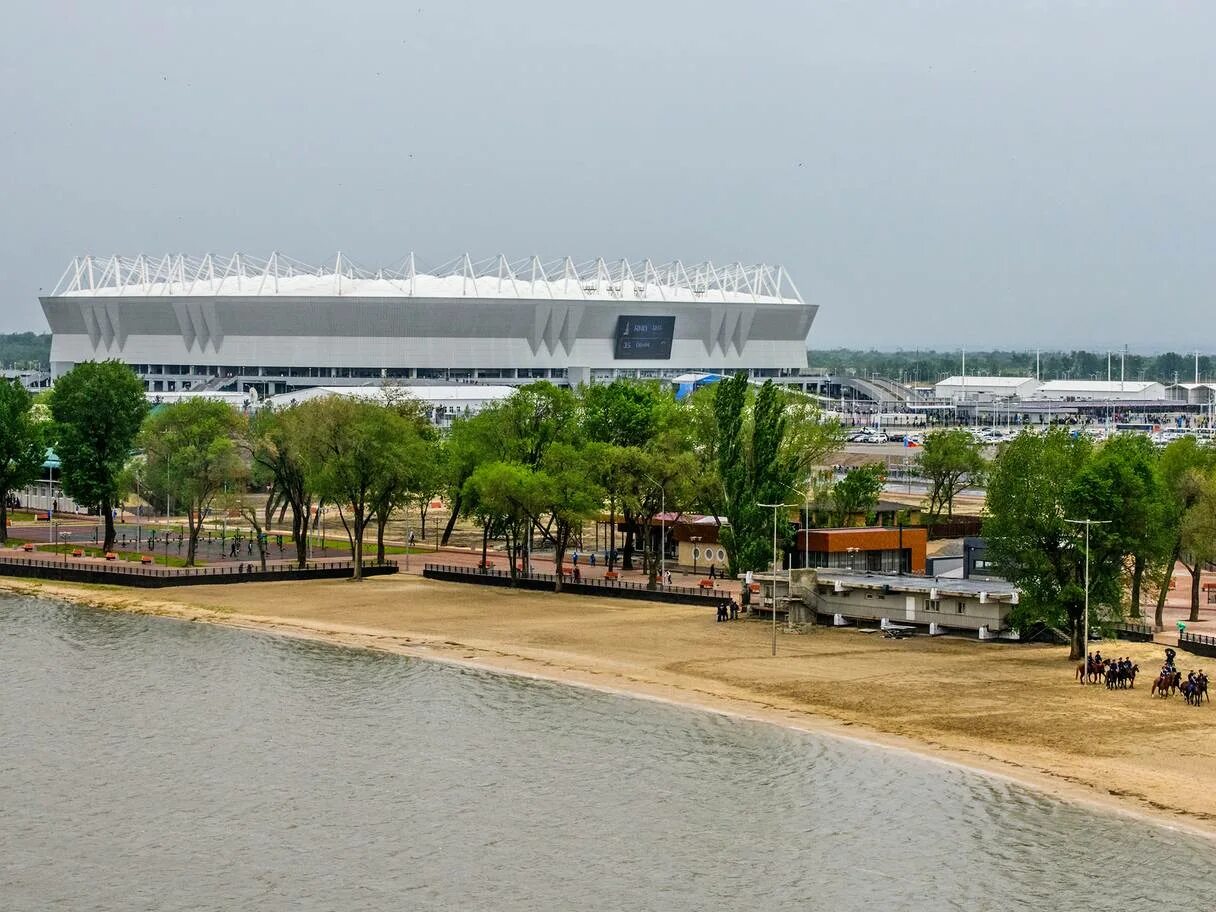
<point>961,607</point>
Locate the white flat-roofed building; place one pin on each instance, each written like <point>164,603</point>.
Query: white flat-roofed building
<point>276,324</point>
<point>942,604</point>
<point>444,403</point>
<point>1102,390</point>
<point>985,388</point>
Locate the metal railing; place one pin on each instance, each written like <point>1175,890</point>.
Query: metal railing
<point>122,568</point>
<point>568,579</point>
<point>1197,638</point>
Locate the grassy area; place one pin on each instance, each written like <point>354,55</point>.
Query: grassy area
<point>134,556</point>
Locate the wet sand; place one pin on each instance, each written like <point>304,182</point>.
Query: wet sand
<point>1006,709</point>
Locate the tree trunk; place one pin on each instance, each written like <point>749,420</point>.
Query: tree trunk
<point>627,548</point>
<point>423,507</point>
<point>447,530</point>
<point>108,543</point>
<point>192,530</point>
<point>1080,642</point>
<point>381,522</point>
<point>1159,620</point>
<point>300,527</point>
<point>357,544</point>
<point>1137,580</point>
<point>3,517</point>
<point>611,562</point>
<point>1196,575</point>
<point>485,544</point>
<point>559,554</point>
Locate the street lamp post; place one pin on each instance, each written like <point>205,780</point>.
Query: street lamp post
<point>696,551</point>
<point>1085,634</point>
<point>63,538</point>
<point>775,507</point>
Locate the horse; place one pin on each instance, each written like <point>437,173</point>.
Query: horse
<point>1117,676</point>
<point>1166,684</point>
<point>1195,691</point>
<point>1097,670</point>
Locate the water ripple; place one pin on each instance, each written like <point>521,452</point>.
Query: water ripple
<point>153,764</point>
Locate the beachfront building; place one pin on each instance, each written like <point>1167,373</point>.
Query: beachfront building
<point>278,325</point>
<point>985,389</point>
<point>945,605</point>
<point>845,598</point>
<point>899,549</point>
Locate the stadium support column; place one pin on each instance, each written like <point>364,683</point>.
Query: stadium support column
<point>578,376</point>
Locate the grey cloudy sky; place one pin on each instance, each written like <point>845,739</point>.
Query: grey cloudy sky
<point>932,173</point>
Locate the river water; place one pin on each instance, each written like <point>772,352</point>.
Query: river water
<point>152,764</point>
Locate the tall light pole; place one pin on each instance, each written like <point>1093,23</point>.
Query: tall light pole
<point>775,507</point>
<point>1085,636</point>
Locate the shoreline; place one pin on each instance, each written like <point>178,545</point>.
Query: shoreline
<point>509,659</point>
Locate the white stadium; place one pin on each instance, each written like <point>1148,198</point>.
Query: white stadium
<point>276,325</point>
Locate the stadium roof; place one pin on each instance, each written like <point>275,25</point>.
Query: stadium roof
<point>956,380</point>
<point>240,275</point>
<point>1096,386</point>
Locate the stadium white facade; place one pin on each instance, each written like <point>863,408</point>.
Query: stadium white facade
<point>277,324</point>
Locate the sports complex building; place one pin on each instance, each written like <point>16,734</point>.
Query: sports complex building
<point>278,325</point>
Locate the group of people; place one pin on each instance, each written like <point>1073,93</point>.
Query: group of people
<point>728,611</point>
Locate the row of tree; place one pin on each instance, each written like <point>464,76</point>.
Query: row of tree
<point>535,466</point>
<point>1150,508</point>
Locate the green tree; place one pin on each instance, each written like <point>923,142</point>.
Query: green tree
<point>276,443</point>
<point>97,408</point>
<point>351,456</point>
<point>1183,465</point>
<point>950,461</point>
<point>472,441</point>
<point>509,497</point>
<point>625,416</point>
<point>1198,533</point>
<point>22,445</point>
<point>191,454</point>
<point>1037,483</point>
<point>858,491</point>
<point>1126,469</point>
<point>567,490</point>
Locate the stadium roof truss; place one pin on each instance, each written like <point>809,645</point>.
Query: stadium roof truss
<point>243,275</point>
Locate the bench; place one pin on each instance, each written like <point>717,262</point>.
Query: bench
<point>611,575</point>
<point>110,555</point>
<point>78,552</point>
<point>28,546</point>
<point>706,584</point>
<point>144,558</point>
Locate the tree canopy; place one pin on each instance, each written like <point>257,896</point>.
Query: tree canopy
<point>22,445</point>
<point>97,408</point>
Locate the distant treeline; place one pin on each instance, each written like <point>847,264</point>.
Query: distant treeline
<point>25,350</point>
<point>930,366</point>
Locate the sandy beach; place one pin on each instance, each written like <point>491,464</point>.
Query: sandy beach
<point>1009,710</point>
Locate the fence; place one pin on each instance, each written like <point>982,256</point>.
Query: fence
<point>1198,643</point>
<point>152,577</point>
<point>545,582</point>
<point>1138,633</point>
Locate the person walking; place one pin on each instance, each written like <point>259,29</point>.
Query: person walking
<point>713,571</point>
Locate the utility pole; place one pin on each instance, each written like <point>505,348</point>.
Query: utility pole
<point>1085,633</point>
<point>775,507</point>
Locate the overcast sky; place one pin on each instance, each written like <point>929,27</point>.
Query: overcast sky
<point>932,174</point>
